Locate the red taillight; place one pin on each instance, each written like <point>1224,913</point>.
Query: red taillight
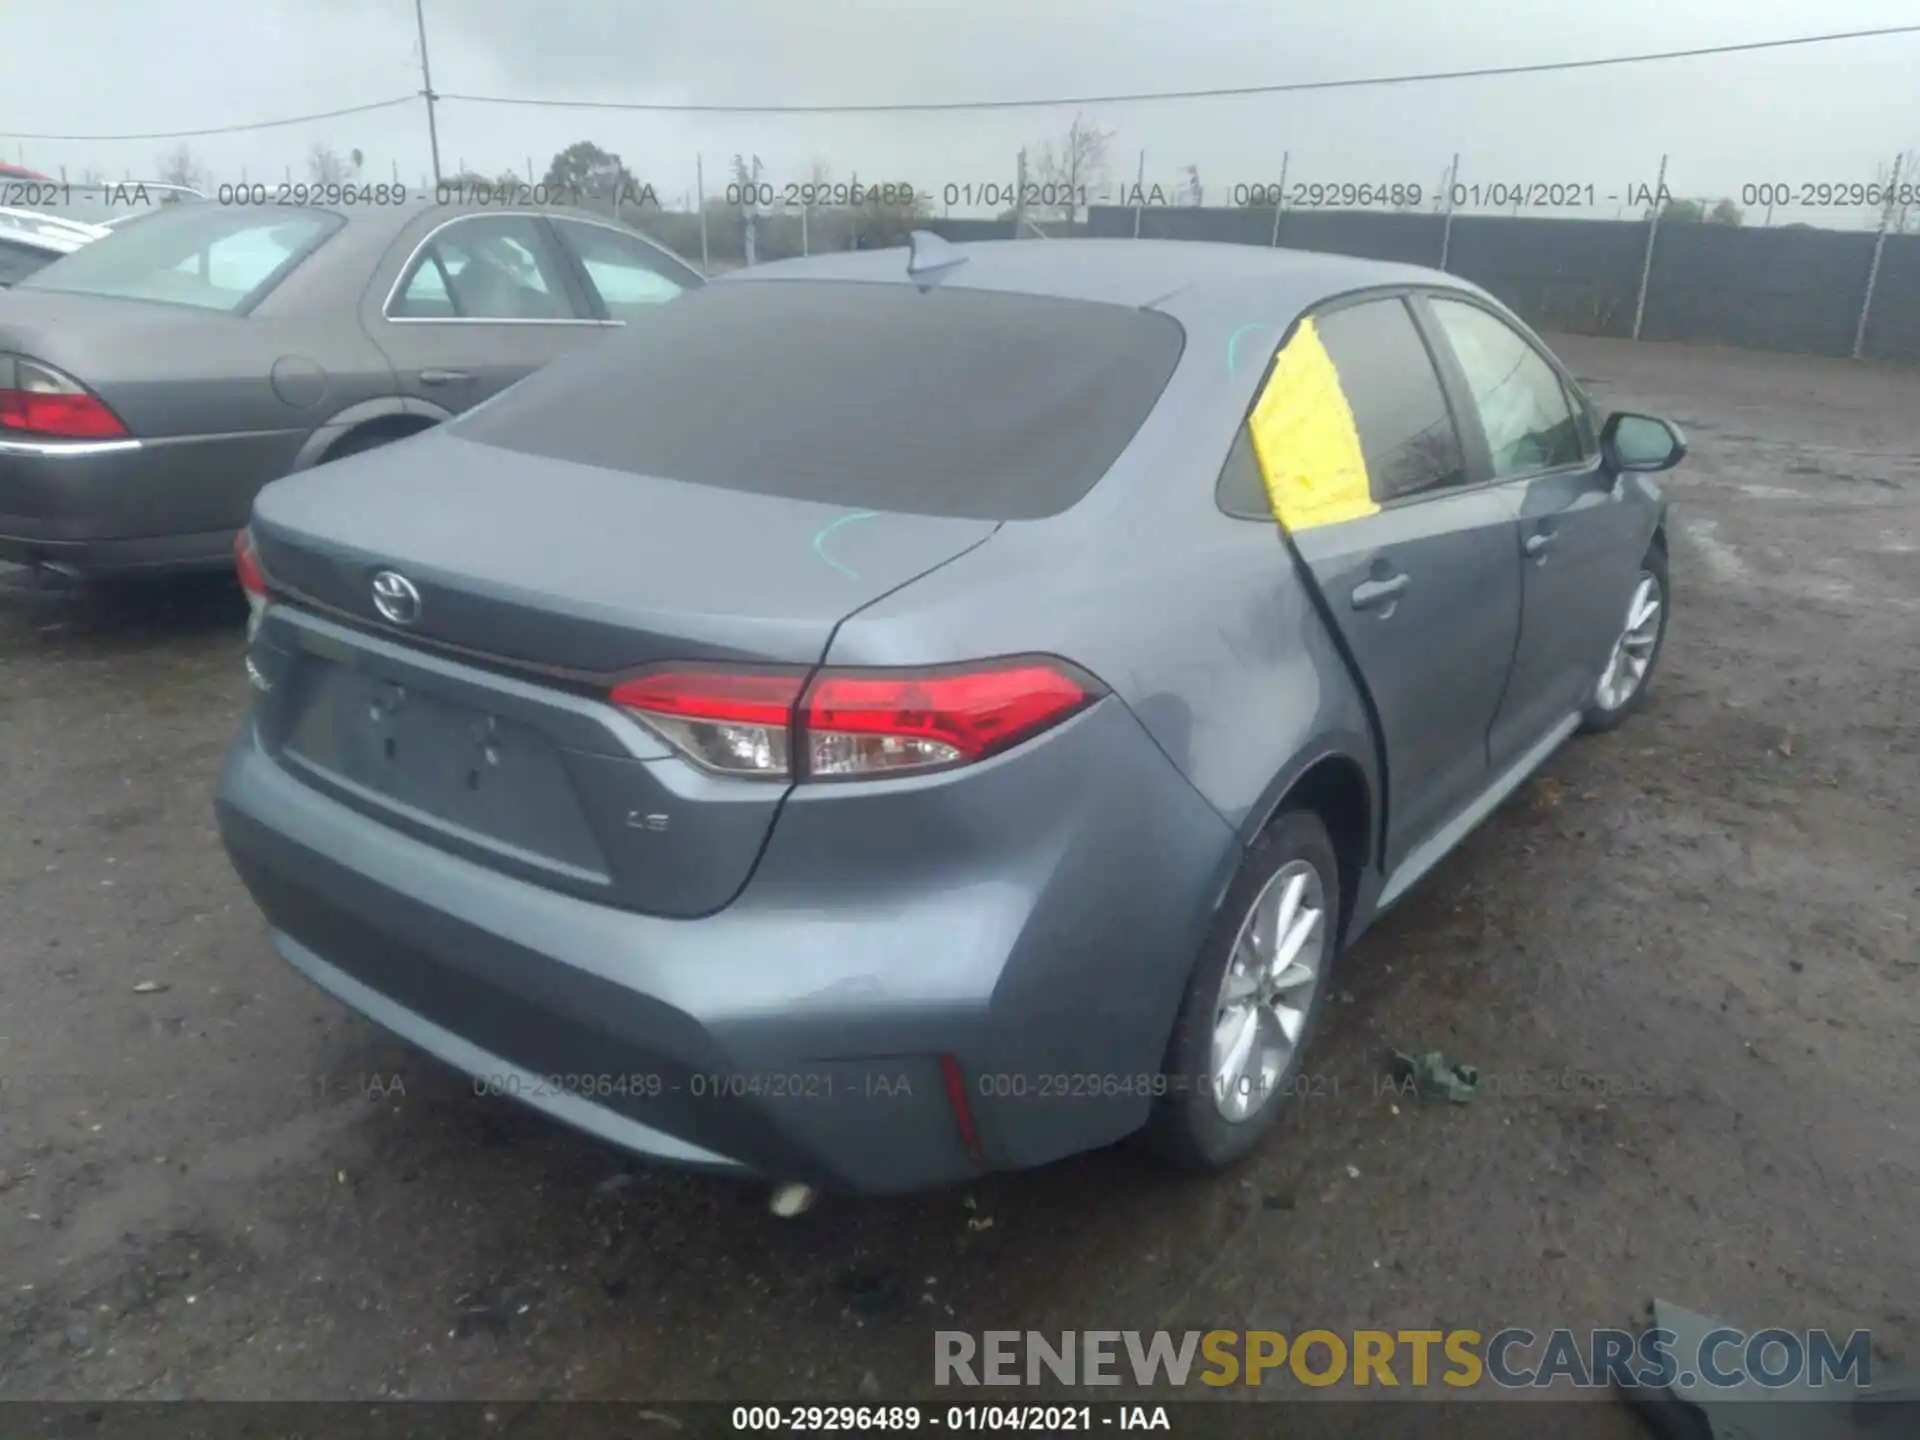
<point>246,564</point>
<point>854,723</point>
<point>861,723</point>
<point>38,400</point>
<point>956,1083</point>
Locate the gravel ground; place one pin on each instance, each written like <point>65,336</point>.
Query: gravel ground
<point>1683,958</point>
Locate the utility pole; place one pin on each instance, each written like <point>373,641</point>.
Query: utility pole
<point>426,80</point>
<point>1446,223</point>
<point>1139,192</point>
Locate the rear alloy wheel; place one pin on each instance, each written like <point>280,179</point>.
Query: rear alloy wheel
<point>1250,1007</point>
<point>1629,667</point>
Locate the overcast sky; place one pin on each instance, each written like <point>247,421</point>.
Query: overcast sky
<point>1825,112</point>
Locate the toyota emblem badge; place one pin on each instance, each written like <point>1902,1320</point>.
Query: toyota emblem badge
<point>395,597</point>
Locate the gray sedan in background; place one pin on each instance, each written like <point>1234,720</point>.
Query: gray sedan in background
<point>152,381</point>
<point>896,716</point>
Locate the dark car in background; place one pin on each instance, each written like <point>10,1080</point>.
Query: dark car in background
<point>154,379</point>
<point>975,746</point>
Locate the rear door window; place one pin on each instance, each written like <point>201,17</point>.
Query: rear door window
<point>487,267</point>
<point>973,404</point>
<point>1399,410</point>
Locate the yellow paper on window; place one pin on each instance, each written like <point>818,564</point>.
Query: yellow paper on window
<point>1306,441</point>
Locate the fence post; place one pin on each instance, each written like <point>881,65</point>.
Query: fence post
<point>1873,268</point>
<point>1646,260</point>
<point>1446,219</point>
<point>1139,186</point>
<point>1280,200</point>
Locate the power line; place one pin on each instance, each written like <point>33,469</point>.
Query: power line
<point>1223,92</point>
<point>1220,93</point>
<point>231,129</point>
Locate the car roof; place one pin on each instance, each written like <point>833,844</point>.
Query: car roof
<point>1185,277</point>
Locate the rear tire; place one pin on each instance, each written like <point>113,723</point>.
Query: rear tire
<point>1628,674</point>
<point>1255,996</point>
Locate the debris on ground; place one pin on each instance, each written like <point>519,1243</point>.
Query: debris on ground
<point>148,987</point>
<point>1433,1077</point>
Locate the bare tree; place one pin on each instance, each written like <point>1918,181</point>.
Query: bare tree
<point>326,166</point>
<point>1071,166</point>
<point>180,166</point>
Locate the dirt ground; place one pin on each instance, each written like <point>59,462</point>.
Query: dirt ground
<point>230,1187</point>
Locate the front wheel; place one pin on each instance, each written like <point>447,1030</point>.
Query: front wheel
<point>1636,650</point>
<point>1252,1001</point>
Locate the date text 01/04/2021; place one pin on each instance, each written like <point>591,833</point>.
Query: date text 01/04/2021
<point>375,195</point>
<point>978,1415</point>
<point>1411,195</point>
<point>804,1085</point>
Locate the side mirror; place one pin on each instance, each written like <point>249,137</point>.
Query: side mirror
<point>1641,442</point>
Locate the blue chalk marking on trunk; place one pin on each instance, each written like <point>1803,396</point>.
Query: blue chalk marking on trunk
<point>829,528</point>
<point>1233,343</point>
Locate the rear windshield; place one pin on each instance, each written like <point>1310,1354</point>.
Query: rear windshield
<point>951,402</point>
<point>209,256</point>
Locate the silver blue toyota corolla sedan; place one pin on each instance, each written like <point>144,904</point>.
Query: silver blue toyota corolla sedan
<point>904,714</point>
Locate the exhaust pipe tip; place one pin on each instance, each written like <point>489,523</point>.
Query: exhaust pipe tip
<point>792,1199</point>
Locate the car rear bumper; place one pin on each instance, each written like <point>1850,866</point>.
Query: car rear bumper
<point>798,1034</point>
<point>117,506</point>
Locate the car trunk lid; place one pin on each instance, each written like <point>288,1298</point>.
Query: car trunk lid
<point>482,725</point>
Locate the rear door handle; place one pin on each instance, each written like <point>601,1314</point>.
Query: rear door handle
<point>1372,594</point>
<point>1539,543</point>
<point>444,377</point>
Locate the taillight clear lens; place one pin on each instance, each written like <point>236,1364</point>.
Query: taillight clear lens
<point>854,723</point>
<point>734,721</point>
<point>38,400</point>
<point>875,722</point>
